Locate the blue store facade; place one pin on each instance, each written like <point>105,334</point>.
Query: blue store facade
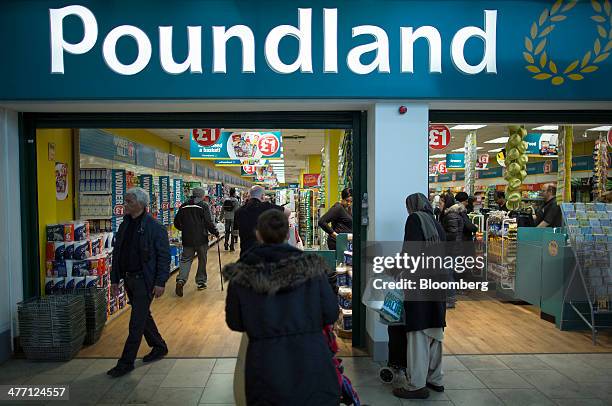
<point>332,64</point>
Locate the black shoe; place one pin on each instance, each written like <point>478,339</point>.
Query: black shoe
<point>435,388</point>
<point>232,249</point>
<point>226,248</point>
<point>422,393</point>
<point>155,354</point>
<point>202,286</point>
<point>120,370</point>
<point>179,288</point>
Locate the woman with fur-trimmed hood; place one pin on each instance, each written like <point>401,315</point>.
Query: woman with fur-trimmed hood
<point>282,299</point>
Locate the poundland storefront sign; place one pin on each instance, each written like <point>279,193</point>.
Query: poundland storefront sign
<point>303,62</point>
<point>497,49</point>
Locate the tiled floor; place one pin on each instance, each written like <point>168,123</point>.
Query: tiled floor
<point>515,380</point>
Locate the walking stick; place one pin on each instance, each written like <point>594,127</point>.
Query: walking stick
<point>220,270</point>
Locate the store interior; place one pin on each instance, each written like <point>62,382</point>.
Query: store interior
<point>536,296</point>
<point>91,169</point>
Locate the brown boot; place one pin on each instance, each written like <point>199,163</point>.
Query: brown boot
<point>179,288</point>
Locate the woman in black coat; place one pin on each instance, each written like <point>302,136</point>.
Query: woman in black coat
<point>425,315</point>
<point>282,299</point>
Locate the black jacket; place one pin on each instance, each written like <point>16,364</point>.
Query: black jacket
<point>154,252</point>
<point>195,222</point>
<point>245,220</point>
<point>281,298</point>
<point>457,224</point>
<point>423,314</point>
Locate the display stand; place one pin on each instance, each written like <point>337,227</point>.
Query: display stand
<point>501,254</point>
<point>589,227</point>
<point>344,271</point>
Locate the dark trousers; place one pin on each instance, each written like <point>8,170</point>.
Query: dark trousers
<point>229,233</point>
<point>141,320</point>
<point>398,344</point>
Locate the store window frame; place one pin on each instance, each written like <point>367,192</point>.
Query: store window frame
<point>29,123</point>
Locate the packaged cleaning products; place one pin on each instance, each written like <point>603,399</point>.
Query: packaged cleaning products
<point>59,268</point>
<point>81,250</point>
<point>69,232</point>
<point>70,284</point>
<point>59,284</point>
<point>60,249</point>
<point>69,250</point>
<point>79,282</point>
<point>80,268</point>
<point>345,298</point>
<point>55,232</point>
<point>50,251</point>
<point>80,233</point>
<point>49,268</point>
<point>69,263</point>
<point>49,284</point>
<point>91,281</point>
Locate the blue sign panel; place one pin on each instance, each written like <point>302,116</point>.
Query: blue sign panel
<point>455,161</point>
<point>250,145</point>
<point>102,144</point>
<point>478,50</point>
<point>186,166</point>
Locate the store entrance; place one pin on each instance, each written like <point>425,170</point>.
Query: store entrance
<point>93,161</point>
<point>544,234</point>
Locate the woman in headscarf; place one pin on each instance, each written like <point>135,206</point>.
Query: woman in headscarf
<point>425,316</point>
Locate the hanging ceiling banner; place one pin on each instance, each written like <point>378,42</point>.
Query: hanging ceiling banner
<point>248,145</point>
<point>455,161</point>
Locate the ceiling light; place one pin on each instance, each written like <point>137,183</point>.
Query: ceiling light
<point>468,126</point>
<point>438,156</point>
<point>546,128</point>
<point>495,150</point>
<point>500,140</point>
<point>602,128</point>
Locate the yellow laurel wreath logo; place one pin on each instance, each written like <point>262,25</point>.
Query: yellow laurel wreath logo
<point>543,67</point>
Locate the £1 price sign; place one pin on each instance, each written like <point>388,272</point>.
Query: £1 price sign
<point>206,136</point>
<point>268,144</point>
<point>442,168</point>
<point>439,136</point>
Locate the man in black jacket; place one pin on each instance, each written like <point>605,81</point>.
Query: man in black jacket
<point>194,220</point>
<point>141,258</point>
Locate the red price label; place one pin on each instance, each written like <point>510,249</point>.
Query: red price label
<point>442,168</point>
<point>439,136</point>
<point>119,210</point>
<point>268,145</point>
<point>249,169</point>
<point>206,136</point>
<point>165,206</point>
<point>483,159</point>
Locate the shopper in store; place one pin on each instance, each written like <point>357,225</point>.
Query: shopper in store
<point>245,218</point>
<point>500,199</point>
<point>470,204</point>
<point>340,217</point>
<point>230,205</point>
<point>421,336</point>
<point>282,299</point>
<point>141,258</point>
<point>469,229</point>
<point>194,220</point>
<point>452,220</point>
<point>549,215</point>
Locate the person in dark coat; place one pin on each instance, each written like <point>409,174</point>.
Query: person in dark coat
<point>141,258</point>
<point>469,228</point>
<point>282,299</point>
<point>425,317</point>
<point>341,218</point>
<point>194,220</point>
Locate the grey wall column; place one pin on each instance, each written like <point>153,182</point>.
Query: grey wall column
<point>11,285</point>
<point>397,166</point>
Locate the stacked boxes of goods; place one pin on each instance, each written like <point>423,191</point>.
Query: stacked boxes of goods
<point>345,291</point>
<point>77,259</point>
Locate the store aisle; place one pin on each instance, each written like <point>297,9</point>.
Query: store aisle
<point>492,327</point>
<point>193,326</point>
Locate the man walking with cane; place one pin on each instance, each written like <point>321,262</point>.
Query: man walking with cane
<point>142,259</point>
<point>194,220</point>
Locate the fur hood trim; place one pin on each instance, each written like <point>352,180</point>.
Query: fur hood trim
<point>457,208</point>
<point>269,278</point>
